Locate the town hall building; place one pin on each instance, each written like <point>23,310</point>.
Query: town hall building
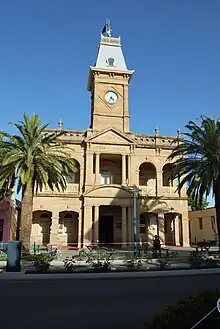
<point>121,175</point>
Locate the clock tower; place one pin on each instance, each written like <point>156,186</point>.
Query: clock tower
<point>108,83</point>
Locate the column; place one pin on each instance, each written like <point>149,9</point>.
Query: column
<point>87,225</point>
<point>89,168</point>
<point>185,227</point>
<point>123,169</point>
<point>124,227</point>
<point>80,230</point>
<point>138,227</point>
<point>177,230</point>
<point>96,224</point>
<point>129,169</point>
<point>54,229</point>
<point>130,230</point>
<point>81,179</point>
<point>97,168</point>
<point>159,182</point>
<point>161,228</point>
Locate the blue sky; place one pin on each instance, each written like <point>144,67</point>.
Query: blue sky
<point>47,47</point>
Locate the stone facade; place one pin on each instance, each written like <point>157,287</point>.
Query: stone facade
<point>98,205</point>
<point>203,225</point>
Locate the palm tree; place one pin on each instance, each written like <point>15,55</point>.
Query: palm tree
<point>37,158</point>
<point>196,161</point>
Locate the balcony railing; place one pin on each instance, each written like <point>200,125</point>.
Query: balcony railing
<point>147,190</point>
<point>71,189</point>
<point>168,191</point>
<point>165,191</point>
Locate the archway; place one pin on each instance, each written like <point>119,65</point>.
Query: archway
<point>68,228</point>
<point>41,224</point>
<point>147,174</point>
<point>74,176</point>
<point>148,227</point>
<point>166,175</point>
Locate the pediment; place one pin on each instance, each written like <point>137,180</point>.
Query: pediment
<point>110,136</point>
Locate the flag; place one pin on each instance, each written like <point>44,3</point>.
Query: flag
<point>104,29</point>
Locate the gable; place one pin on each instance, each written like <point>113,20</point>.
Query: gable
<point>110,137</point>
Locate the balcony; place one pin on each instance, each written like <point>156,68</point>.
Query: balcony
<point>168,191</point>
<point>147,190</point>
<point>163,191</point>
<point>72,188</point>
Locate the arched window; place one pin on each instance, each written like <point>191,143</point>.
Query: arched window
<point>166,175</point>
<point>147,174</point>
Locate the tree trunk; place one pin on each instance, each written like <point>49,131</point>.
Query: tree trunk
<point>26,218</point>
<point>216,189</point>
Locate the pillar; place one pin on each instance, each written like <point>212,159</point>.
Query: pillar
<point>89,168</point>
<point>54,228</point>
<point>97,168</point>
<point>161,229</point>
<point>96,224</point>
<point>87,225</point>
<point>177,230</point>
<point>80,230</point>
<point>129,170</point>
<point>123,169</point>
<point>159,182</point>
<point>81,179</point>
<point>138,227</point>
<point>129,229</point>
<point>124,227</point>
<point>185,227</point>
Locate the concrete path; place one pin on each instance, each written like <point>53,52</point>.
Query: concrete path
<point>117,303</point>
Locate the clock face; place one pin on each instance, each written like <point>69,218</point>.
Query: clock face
<point>111,97</point>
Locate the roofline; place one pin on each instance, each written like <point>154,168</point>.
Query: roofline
<point>209,208</point>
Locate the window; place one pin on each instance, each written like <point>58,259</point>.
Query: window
<point>200,223</point>
<point>106,178</point>
<point>213,222</point>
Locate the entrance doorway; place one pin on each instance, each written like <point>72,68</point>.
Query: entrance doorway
<point>106,234</point>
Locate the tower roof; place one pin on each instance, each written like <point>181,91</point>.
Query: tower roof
<point>110,55</point>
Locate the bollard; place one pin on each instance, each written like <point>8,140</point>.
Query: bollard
<point>13,256</point>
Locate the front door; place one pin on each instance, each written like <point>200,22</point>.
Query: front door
<point>106,234</point>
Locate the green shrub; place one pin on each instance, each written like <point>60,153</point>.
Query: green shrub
<point>188,312</point>
<point>42,262</point>
<point>162,263</point>
<point>133,264</point>
<point>203,260</point>
<point>69,264</point>
<point>3,257</point>
<point>101,261</point>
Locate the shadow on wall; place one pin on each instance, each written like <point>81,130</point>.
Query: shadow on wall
<point>112,224</point>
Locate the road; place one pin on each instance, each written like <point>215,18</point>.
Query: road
<point>90,304</point>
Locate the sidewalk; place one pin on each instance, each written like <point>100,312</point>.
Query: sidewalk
<point>112,275</point>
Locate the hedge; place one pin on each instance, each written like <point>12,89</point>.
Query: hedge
<point>188,312</point>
